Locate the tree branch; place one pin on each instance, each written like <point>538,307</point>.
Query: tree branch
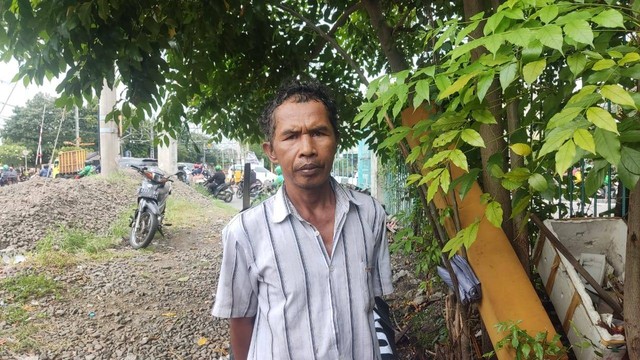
<point>341,21</point>
<point>329,39</point>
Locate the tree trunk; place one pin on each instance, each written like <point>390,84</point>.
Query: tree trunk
<point>396,59</point>
<point>521,235</point>
<point>632,276</point>
<point>493,135</point>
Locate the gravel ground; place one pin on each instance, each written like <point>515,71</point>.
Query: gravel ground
<point>137,305</point>
<point>151,304</point>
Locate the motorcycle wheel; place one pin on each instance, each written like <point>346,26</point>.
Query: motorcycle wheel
<point>239,192</point>
<point>229,197</point>
<point>143,229</point>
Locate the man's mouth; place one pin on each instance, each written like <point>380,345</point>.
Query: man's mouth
<point>308,167</point>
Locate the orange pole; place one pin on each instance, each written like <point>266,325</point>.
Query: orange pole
<point>507,293</point>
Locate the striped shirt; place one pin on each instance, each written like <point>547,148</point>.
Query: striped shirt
<point>307,305</point>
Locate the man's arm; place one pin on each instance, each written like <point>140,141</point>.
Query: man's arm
<point>241,330</point>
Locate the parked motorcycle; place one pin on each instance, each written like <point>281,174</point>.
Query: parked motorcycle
<point>152,201</point>
<point>222,192</point>
<point>254,190</point>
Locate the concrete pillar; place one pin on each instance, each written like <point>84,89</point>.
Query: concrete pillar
<point>168,157</point>
<point>376,189</point>
<point>109,139</point>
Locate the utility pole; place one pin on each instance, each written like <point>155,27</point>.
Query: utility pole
<point>152,147</point>
<point>109,140</point>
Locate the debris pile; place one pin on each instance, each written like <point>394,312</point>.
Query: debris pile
<point>31,208</point>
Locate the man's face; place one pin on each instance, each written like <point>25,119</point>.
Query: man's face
<point>304,144</point>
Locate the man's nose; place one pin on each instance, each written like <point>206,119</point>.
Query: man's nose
<point>307,147</point>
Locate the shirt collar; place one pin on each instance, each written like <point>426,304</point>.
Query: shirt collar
<point>283,207</point>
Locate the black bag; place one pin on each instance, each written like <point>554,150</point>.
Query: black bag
<point>384,330</point>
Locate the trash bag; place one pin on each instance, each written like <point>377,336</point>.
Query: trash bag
<point>468,283</point>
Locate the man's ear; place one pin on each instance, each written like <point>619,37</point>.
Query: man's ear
<point>268,149</point>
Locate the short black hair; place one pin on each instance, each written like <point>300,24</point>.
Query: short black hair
<point>299,92</point>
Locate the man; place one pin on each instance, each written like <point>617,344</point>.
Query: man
<point>45,171</point>
<point>300,272</point>
<point>218,178</point>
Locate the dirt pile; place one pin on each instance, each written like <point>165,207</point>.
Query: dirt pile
<point>31,208</point>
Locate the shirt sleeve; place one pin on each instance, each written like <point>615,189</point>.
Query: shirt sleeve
<point>382,281</point>
<point>235,295</point>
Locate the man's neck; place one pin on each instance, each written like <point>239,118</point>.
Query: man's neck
<point>311,204</point>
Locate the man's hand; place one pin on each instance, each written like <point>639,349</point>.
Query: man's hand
<point>241,330</point>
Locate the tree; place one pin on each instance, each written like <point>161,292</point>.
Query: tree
<point>11,155</point>
<point>24,125</point>
<point>538,51</point>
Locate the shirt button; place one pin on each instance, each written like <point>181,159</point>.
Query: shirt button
<point>316,233</point>
<point>331,268</point>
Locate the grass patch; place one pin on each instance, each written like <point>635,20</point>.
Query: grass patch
<point>221,205</point>
<point>182,213</point>
<point>65,247</point>
<point>29,286</point>
<point>73,241</point>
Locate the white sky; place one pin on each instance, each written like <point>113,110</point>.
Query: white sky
<point>20,94</point>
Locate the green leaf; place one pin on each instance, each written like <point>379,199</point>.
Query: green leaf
<point>492,23</point>
<point>532,51</point>
<point>494,213</point>
<point>520,206</point>
<point>577,63</point>
<point>628,179</point>
<point>582,94</point>
<point>532,70</point>
<point>538,182</point>
<point>457,86</point>
<point>458,158</point>
<point>579,31</point>
<point>630,159</point>
<point>444,36</point>
<point>584,139</point>
<point>484,83</point>
<point>433,189</point>
<point>466,31</point>
<point>607,145</point>
<point>520,37</point>
<point>629,58</point>
<point>445,138</point>
<point>466,181</point>
<point>521,149</point>
<point>471,233</point>
<point>445,180</point>
<point>508,74</point>
<point>483,116</point>
<point>393,139</point>
<point>594,181</point>
<point>551,36</point>
<point>617,94</point>
<point>548,13</point>
<point>610,18</point>
<point>442,82</point>
<point>563,117</point>
<point>436,159</point>
<point>603,64</point>
<point>602,119</point>
<point>554,139</point>
<point>564,157</point>
<point>412,178</point>
<point>494,42</point>
<point>514,13</point>
<point>422,92</point>
<point>472,138</point>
